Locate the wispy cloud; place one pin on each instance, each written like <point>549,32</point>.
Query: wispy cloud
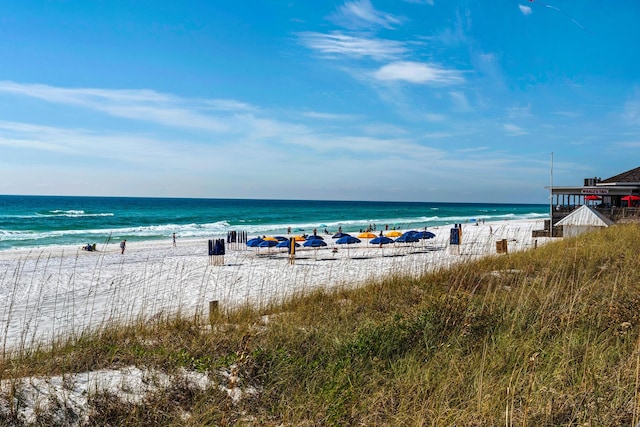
<point>361,14</point>
<point>526,10</point>
<point>418,73</point>
<point>513,130</point>
<point>429,2</point>
<point>460,101</point>
<point>519,112</point>
<point>329,116</point>
<point>434,117</point>
<point>83,143</point>
<point>631,112</point>
<point>142,105</point>
<point>337,43</point>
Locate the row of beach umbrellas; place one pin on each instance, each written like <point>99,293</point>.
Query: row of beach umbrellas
<point>316,241</point>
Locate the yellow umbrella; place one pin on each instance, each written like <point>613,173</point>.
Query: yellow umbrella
<point>299,239</point>
<point>273,239</point>
<point>366,236</point>
<point>394,233</point>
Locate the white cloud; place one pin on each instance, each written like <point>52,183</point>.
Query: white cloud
<point>362,14</point>
<point>338,43</point>
<point>460,101</point>
<point>418,73</point>
<point>519,112</point>
<point>329,116</point>
<point>162,161</point>
<point>433,117</point>
<point>526,10</point>
<point>143,105</point>
<point>631,112</point>
<point>514,130</point>
<point>429,2</point>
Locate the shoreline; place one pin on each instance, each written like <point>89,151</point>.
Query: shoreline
<point>49,293</point>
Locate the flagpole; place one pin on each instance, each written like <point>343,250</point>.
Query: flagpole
<point>551,198</point>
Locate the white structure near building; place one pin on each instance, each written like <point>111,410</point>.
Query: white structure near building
<point>583,219</point>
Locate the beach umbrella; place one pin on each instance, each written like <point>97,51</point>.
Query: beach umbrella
<point>347,240</point>
<point>381,240</point>
<point>271,238</point>
<point>366,235</point>
<point>252,243</point>
<point>339,235</point>
<point>394,233</point>
<point>314,237</point>
<point>407,237</point>
<point>280,238</point>
<point>267,243</point>
<point>285,244</point>
<point>424,235</point>
<point>593,197</point>
<point>630,198</point>
<point>314,243</point>
<point>299,238</point>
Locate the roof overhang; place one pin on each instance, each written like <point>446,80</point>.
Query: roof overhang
<point>610,190</point>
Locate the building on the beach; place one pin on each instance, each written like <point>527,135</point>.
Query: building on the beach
<point>616,197</point>
<point>582,220</point>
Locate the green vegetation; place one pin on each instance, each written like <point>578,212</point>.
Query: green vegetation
<point>547,337</point>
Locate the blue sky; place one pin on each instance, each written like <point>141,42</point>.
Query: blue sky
<point>414,100</point>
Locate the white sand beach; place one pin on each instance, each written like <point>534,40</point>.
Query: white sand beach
<point>53,292</point>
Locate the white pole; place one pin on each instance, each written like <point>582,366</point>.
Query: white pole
<point>551,198</point>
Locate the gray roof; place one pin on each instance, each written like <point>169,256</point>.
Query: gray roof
<point>630,176</point>
<point>586,215</point>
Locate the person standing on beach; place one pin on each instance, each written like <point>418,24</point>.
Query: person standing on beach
<point>174,239</point>
<point>123,245</point>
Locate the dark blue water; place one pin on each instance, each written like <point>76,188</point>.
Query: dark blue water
<point>36,221</point>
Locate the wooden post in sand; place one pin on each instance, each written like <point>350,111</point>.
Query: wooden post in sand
<point>292,250</point>
<point>213,310</point>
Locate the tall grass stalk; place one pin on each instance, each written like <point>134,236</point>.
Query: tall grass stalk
<point>543,337</point>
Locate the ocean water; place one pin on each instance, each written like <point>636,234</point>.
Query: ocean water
<point>39,221</point>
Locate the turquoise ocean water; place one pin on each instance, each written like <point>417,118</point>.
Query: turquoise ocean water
<point>38,221</point>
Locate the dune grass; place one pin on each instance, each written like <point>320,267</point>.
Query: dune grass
<point>546,337</point>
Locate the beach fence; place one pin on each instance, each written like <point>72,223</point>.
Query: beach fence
<point>216,252</point>
<point>237,239</point>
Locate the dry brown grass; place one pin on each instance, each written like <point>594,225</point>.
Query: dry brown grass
<point>547,337</point>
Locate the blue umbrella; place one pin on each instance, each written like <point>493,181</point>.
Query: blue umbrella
<point>424,235</point>
<point>381,240</point>
<point>285,244</point>
<point>314,237</point>
<point>252,243</point>
<point>339,235</point>
<point>267,244</point>
<point>314,243</point>
<point>347,240</point>
<point>280,238</point>
<point>407,237</point>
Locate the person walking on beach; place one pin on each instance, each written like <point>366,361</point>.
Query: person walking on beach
<point>174,239</point>
<point>123,245</point>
